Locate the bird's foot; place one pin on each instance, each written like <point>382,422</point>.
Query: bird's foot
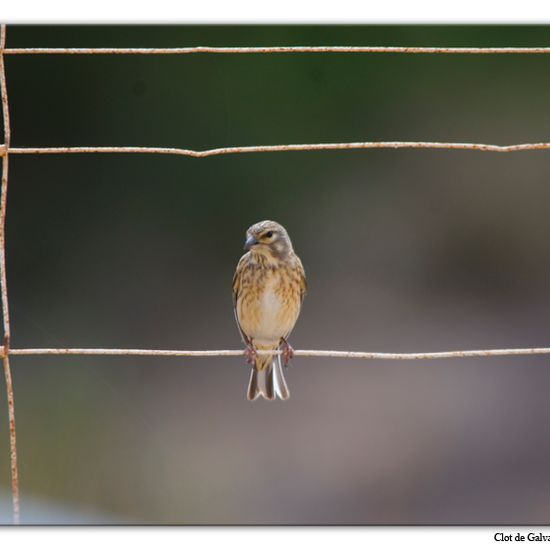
<point>250,354</point>
<point>287,352</point>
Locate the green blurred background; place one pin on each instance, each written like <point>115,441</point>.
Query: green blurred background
<point>404,251</point>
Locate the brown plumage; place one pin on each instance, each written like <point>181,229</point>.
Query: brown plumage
<point>268,289</point>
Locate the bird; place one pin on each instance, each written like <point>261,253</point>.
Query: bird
<point>269,287</point>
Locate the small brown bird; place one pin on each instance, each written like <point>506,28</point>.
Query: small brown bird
<point>268,289</point>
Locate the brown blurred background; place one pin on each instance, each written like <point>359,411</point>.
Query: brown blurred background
<point>404,251</point>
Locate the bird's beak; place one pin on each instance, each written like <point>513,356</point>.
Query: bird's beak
<point>250,242</point>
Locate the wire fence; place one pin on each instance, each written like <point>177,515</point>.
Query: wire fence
<point>5,150</point>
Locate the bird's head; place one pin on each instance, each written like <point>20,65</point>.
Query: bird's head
<point>269,239</point>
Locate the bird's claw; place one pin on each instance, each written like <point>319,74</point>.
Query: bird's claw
<point>250,354</point>
<point>287,352</point>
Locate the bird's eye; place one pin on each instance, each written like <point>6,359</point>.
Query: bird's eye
<point>269,234</point>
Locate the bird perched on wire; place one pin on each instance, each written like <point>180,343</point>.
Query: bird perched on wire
<point>268,289</point>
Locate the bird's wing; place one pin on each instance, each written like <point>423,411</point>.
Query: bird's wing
<point>302,279</point>
<point>302,283</point>
<point>236,291</point>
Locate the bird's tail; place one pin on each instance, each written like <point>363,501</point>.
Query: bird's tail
<point>267,379</point>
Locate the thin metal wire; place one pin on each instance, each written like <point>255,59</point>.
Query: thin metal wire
<point>298,353</point>
<point>278,148</point>
<point>4,287</point>
<point>14,473</point>
<point>275,50</point>
<point>4,192</point>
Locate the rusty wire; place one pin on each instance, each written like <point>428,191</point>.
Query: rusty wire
<point>297,353</point>
<point>4,287</point>
<point>279,148</point>
<point>274,50</point>
<point>6,150</point>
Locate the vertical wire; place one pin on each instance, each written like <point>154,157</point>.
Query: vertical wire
<point>3,284</point>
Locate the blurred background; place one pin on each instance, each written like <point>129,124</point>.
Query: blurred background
<point>404,251</point>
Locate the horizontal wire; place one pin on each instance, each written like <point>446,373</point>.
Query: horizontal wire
<point>275,49</point>
<point>297,353</point>
<point>278,148</point>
